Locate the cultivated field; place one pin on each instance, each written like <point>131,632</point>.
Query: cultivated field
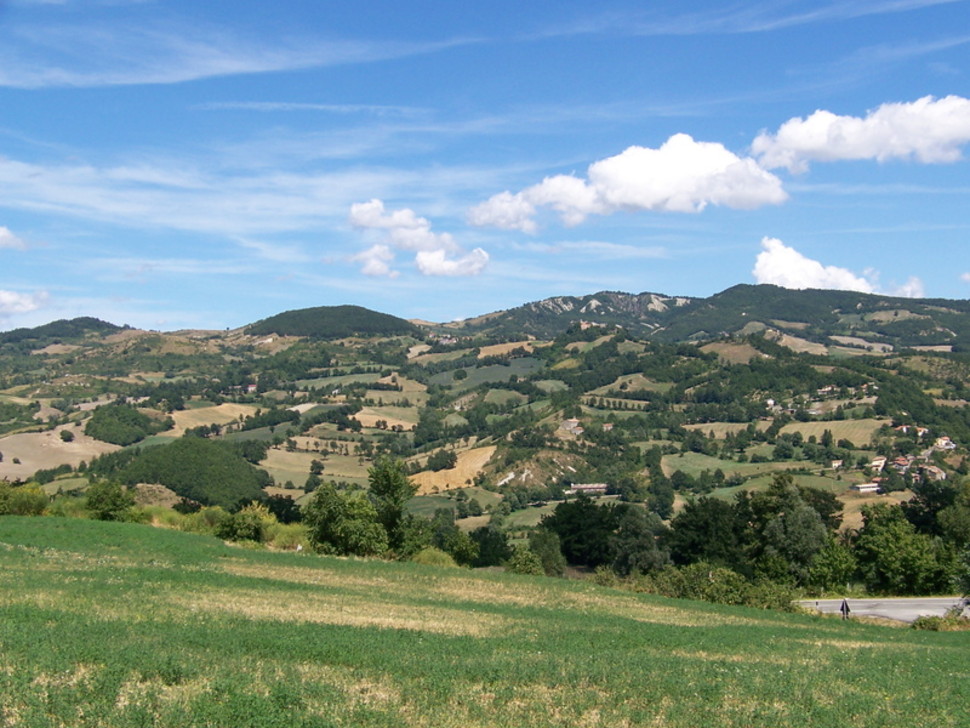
<point>217,415</point>
<point>122,625</point>
<point>693,463</point>
<point>43,450</point>
<point>404,417</point>
<point>853,503</point>
<point>858,432</point>
<point>470,463</point>
<point>733,353</point>
<point>721,429</point>
<point>295,467</point>
<point>633,382</point>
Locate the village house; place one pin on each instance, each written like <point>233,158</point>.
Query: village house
<point>931,472</point>
<point>572,426</point>
<point>877,463</point>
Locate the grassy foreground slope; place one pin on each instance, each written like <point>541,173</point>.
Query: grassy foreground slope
<point>122,625</point>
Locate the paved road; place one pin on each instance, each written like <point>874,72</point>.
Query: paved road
<point>902,609</point>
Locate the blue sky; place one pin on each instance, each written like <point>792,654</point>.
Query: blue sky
<point>172,164</point>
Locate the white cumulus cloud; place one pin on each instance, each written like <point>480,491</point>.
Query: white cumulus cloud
<point>683,175</point>
<point>912,288</point>
<point>9,240</point>
<point>12,302</point>
<point>376,261</point>
<point>782,265</point>
<point>965,277</point>
<point>928,130</point>
<point>435,253</point>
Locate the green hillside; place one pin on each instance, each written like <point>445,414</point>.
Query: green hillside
<point>332,322</point>
<point>109,625</point>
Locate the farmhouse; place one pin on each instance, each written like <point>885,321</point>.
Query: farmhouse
<point>866,487</point>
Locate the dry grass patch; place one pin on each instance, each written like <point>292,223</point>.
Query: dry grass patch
<point>502,349</point>
<point>340,608</point>
<point>470,463</point>
<point>856,342</point>
<point>733,353</point>
<point>801,345</point>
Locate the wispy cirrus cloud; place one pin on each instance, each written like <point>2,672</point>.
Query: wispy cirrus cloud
<point>284,106</point>
<point>735,18</point>
<point>91,55</point>
<point>602,250</point>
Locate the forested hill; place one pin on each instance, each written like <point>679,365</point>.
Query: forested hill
<point>58,331</point>
<point>332,322</point>
<point>830,318</point>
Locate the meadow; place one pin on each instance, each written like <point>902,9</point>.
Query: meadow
<point>107,624</point>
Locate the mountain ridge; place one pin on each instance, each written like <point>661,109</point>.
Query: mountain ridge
<point>828,317</point>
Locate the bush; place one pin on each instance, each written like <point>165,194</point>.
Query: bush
<point>109,501</point>
<point>525,561</point>
<point>952,621</point>
<point>23,500</point>
<point>68,507</point>
<point>252,523</point>
<point>207,520</point>
<point>287,536</point>
<point>431,556</point>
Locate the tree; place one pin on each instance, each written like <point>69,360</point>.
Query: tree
<point>895,559</point>
<point>545,544</point>
<point>442,460</point>
<point>705,530</point>
<point>493,546</point>
<point>390,490</point>
<point>833,567</point>
<point>109,501</point>
<point>67,436</point>
<point>635,543</point>
<point>585,530</point>
<point>343,523</point>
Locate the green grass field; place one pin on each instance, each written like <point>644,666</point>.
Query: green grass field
<point>692,463</point>
<point>124,625</point>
